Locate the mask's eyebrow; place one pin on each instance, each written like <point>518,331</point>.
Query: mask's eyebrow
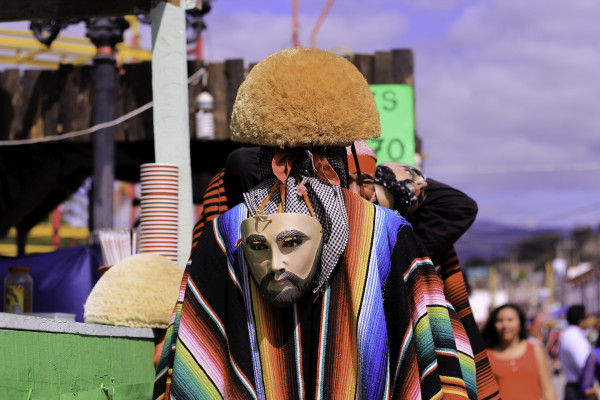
<point>290,234</point>
<point>256,239</point>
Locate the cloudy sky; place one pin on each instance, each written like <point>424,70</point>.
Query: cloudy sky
<point>507,91</point>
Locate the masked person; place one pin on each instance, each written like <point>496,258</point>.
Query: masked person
<point>306,290</point>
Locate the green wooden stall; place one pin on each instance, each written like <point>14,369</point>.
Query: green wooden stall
<point>53,359</point>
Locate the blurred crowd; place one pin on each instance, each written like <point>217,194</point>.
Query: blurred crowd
<point>526,350</point>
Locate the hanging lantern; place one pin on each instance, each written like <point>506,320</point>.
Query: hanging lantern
<point>205,122</point>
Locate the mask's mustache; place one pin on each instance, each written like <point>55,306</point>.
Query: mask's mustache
<point>295,279</point>
<point>286,295</point>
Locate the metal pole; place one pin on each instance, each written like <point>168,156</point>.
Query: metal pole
<point>104,142</point>
<point>105,33</point>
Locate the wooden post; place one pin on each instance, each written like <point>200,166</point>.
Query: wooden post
<point>171,118</point>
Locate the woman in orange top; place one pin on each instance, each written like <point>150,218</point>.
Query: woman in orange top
<point>519,364</point>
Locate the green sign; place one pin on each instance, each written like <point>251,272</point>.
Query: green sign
<point>395,103</point>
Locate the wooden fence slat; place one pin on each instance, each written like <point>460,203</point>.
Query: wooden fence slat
<point>76,103</point>
<point>403,66</point>
<point>136,86</point>
<point>193,92</point>
<point>32,122</point>
<point>143,95</point>
<point>50,99</point>
<point>364,63</point>
<point>10,82</point>
<point>382,67</point>
<point>67,73</point>
<point>234,70</point>
<point>217,86</point>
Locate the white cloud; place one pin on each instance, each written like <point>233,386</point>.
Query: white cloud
<point>513,83</point>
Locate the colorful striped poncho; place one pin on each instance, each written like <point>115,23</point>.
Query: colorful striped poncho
<point>381,329</point>
<point>456,293</point>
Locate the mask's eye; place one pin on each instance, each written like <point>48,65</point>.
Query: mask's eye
<point>257,246</point>
<point>293,241</point>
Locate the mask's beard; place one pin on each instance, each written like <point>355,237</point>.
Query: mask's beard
<point>290,294</point>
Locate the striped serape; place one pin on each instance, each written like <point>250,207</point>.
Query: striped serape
<point>456,293</point>
<point>381,329</point>
<point>214,203</point>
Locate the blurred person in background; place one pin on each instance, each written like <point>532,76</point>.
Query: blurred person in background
<point>519,364</point>
<point>590,375</point>
<point>574,349</point>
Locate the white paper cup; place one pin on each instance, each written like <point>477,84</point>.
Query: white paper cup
<point>167,166</point>
<point>159,171</point>
<point>158,235</point>
<point>149,199</point>
<point>160,250</point>
<point>149,189</point>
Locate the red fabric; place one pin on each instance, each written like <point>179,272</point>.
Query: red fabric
<point>283,162</point>
<point>214,203</point>
<point>518,378</point>
<point>455,291</point>
<point>366,163</point>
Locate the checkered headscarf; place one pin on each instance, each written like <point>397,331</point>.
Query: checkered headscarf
<point>326,199</point>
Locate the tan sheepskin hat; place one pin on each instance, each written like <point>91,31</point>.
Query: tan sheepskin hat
<point>304,97</point>
<point>139,291</point>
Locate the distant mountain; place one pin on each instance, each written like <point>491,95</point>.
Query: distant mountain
<point>489,240</point>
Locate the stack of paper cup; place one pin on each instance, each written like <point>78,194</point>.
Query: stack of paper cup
<point>159,209</point>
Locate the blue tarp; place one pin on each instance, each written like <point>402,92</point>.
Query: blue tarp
<point>62,280</point>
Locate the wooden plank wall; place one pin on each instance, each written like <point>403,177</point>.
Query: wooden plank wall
<point>36,103</point>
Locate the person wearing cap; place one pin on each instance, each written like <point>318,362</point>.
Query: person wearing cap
<point>305,290</point>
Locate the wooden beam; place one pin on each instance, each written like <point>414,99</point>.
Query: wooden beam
<point>171,114</point>
<point>27,10</point>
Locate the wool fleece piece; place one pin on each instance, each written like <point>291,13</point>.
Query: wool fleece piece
<point>139,291</point>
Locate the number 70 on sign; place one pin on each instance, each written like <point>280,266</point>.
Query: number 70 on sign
<point>395,103</point>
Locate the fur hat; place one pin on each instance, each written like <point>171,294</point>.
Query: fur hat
<point>139,291</point>
<point>304,97</point>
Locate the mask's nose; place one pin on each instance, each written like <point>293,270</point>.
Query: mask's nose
<point>277,263</point>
